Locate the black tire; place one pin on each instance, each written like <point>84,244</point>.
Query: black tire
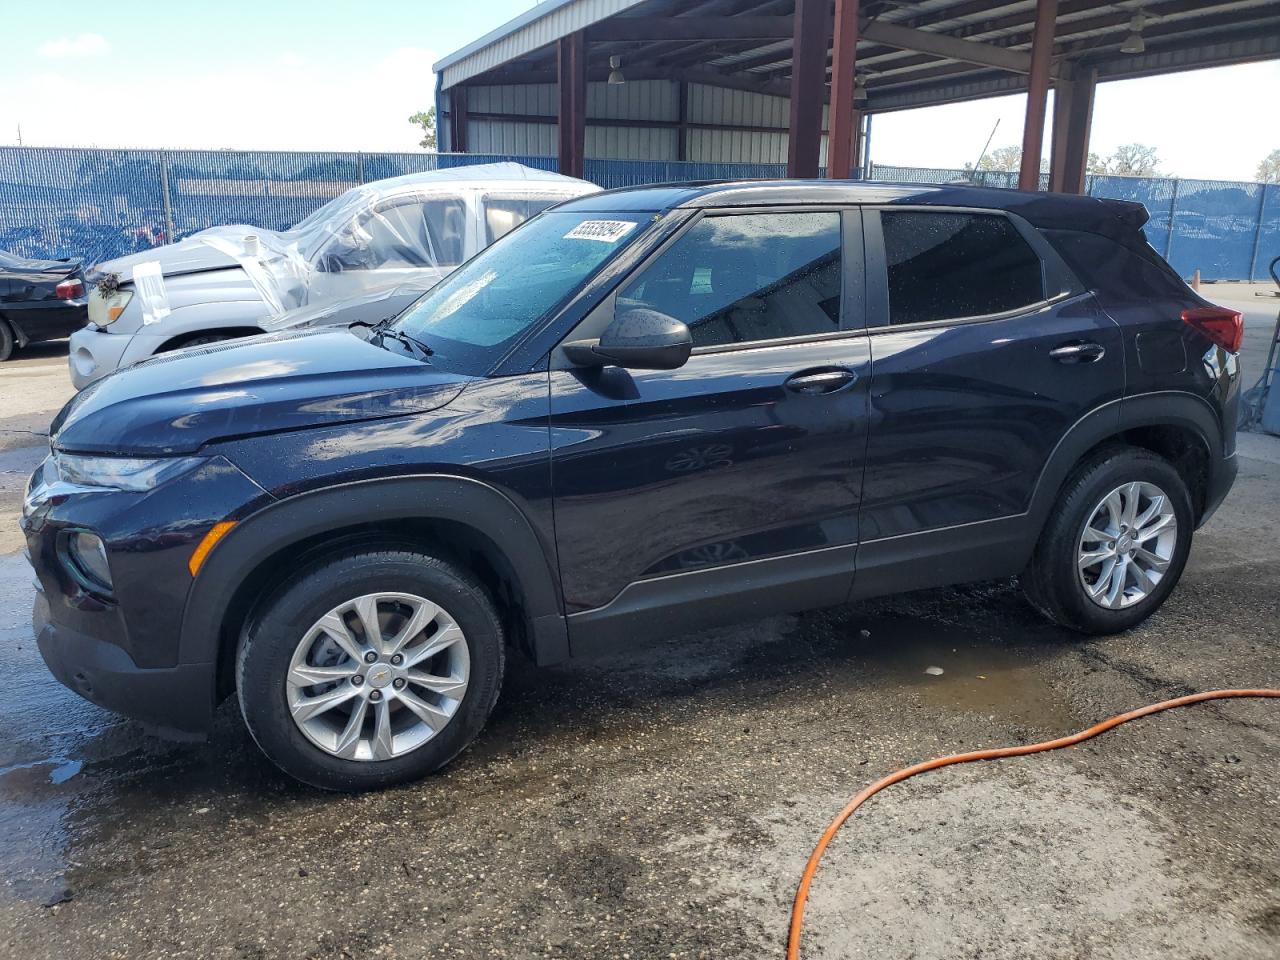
<point>1051,581</point>
<point>7,340</point>
<point>272,635</point>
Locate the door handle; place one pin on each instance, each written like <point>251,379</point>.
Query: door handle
<point>820,380</point>
<point>1078,352</point>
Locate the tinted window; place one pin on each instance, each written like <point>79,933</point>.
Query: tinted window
<point>747,277</point>
<point>1115,270</point>
<point>948,265</point>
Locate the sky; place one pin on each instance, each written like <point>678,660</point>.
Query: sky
<point>344,75</point>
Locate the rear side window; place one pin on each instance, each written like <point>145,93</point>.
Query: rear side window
<point>946,266</point>
<point>1115,270</point>
<point>504,214</point>
<point>747,277</point>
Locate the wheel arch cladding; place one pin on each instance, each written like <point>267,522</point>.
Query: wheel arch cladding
<point>458,518</point>
<point>1179,426</point>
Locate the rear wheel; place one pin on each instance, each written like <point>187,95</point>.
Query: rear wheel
<point>1115,545</point>
<point>7,340</point>
<point>372,669</point>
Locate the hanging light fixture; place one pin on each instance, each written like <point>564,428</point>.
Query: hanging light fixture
<point>859,89</point>
<point>615,71</point>
<point>1134,43</point>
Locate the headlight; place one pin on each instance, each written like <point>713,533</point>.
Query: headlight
<point>89,556</point>
<point>106,308</point>
<point>121,473</point>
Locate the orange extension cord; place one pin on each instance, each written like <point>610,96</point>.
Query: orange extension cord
<point>815,858</point>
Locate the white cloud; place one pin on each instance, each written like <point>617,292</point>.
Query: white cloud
<point>81,45</point>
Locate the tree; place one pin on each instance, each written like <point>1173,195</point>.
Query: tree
<point>427,121</point>
<point>1095,165</point>
<point>1134,160</point>
<point>1007,158</point>
<point>1269,168</point>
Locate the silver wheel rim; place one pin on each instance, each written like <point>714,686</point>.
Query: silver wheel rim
<point>1127,544</point>
<point>378,676</point>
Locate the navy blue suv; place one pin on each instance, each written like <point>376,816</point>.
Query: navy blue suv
<point>643,411</point>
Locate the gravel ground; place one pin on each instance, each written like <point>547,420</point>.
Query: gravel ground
<point>662,803</point>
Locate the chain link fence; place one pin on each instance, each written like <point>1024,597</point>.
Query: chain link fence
<point>95,204</point>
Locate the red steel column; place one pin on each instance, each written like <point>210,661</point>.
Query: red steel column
<point>1072,119</point>
<point>844,117</point>
<point>459,119</point>
<point>1037,94</point>
<point>571,71</point>
<point>808,87</point>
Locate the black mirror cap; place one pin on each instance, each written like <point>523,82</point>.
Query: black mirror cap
<point>645,339</point>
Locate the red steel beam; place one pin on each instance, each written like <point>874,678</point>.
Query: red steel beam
<point>808,87</point>
<point>1037,94</point>
<point>840,145</point>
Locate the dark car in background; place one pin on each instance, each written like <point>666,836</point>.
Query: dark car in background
<point>641,412</point>
<point>39,300</point>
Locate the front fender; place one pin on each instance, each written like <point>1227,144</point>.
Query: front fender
<point>294,519</point>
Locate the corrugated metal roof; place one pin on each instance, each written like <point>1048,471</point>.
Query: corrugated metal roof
<point>544,24</point>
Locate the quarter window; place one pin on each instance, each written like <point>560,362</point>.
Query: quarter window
<point>945,266</point>
<point>747,277</point>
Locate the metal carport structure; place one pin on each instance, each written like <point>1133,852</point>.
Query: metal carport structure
<point>775,80</point>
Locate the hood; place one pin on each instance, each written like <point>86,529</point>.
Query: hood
<point>191,255</point>
<point>178,402</point>
<point>370,305</point>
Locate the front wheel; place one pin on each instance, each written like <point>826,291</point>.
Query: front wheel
<point>369,670</point>
<point>1115,545</point>
<point>7,340</point>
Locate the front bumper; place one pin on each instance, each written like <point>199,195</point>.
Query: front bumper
<point>175,702</point>
<point>95,352</point>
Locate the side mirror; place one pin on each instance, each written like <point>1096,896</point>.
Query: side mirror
<point>639,339</point>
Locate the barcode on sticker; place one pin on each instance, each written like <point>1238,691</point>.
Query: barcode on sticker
<point>606,231</point>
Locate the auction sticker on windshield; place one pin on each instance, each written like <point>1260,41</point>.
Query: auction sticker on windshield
<point>606,231</point>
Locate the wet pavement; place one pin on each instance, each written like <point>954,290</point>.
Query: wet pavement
<point>661,802</point>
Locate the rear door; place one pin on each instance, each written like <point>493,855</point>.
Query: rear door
<point>734,479</point>
<point>986,350</point>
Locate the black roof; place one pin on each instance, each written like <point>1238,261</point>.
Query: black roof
<point>1047,210</point>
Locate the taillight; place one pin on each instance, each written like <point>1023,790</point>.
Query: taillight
<point>1224,327</point>
<point>69,289</point>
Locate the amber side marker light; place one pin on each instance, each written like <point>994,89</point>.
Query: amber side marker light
<point>216,533</point>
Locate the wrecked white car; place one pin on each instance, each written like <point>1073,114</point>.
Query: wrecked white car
<point>234,281</point>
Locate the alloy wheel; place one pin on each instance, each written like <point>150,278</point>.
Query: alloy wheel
<point>378,676</point>
<point>1126,545</point>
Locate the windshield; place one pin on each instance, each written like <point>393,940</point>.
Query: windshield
<point>473,316</point>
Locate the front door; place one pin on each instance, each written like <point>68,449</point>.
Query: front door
<point>738,475</point>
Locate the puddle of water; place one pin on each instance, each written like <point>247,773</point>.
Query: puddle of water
<point>999,674</point>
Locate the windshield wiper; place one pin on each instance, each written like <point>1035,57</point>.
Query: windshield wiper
<point>382,330</point>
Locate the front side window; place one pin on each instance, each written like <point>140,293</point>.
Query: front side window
<point>747,277</point>
<point>947,266</point>
<point>504,214</point>
<point>476,313</point>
